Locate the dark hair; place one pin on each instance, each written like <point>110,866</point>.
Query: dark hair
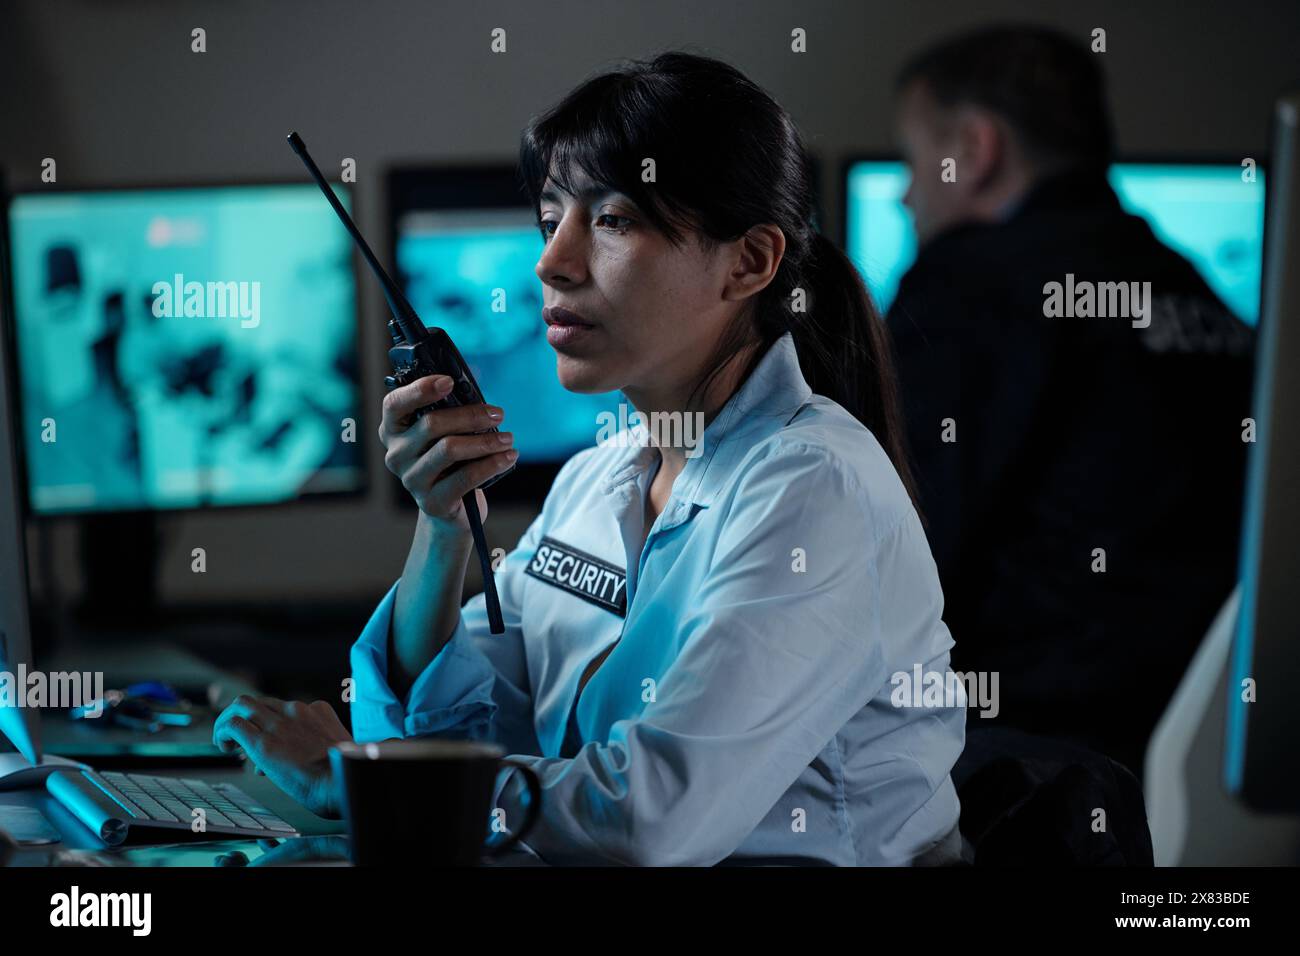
<point>1045,84</point>
<point>728,157</point>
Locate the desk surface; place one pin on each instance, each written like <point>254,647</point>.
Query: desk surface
<point>322,843</point>
<point>110,748</point>
<point>77,837</point>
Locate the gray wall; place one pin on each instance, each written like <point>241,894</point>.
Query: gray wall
<point>111,91</point>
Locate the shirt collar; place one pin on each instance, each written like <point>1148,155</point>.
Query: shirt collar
<point>763,404</point>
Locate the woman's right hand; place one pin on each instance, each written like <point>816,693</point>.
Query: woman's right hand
<point>434,455</point>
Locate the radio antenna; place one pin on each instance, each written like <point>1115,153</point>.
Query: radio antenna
<point>409,324</point>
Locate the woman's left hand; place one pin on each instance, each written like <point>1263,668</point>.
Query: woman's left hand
<point>289,742</point>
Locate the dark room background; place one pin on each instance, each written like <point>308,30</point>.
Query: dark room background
<point>111,90</point>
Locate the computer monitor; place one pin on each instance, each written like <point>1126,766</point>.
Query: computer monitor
<point>1209,214</point>
<point>15,618</point>
<point>184,347</point>
<point>1263,711</point>
<point>878,234</point>
<point>1203,210</point>
<point>465,246</point>
<point>20,726</point>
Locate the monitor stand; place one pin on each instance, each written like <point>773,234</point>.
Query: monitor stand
<point>19,773</point>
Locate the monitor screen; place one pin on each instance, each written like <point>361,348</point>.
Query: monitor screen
<point>877,226</point>
<point>472,273</point>
<point>1210,216</point>
<point>1204,211</point>
<point>183,348</point>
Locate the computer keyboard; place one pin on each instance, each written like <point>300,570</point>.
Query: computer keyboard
<point>111,803</point>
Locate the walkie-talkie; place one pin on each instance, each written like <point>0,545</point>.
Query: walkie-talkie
<point>416,352</point>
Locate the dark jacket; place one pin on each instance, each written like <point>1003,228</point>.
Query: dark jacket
<point>1074,434</point>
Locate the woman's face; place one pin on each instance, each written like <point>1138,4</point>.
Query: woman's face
<point>651,312</point>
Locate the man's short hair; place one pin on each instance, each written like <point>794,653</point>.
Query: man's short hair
<point>1044,84</point>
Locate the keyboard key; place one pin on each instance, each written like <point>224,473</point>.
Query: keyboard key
<point>245,821</point>
<point>215,818</point>
<point>181,810</point>
<point>155,810</point>
<point>274,823</point>
<point>115,795</point>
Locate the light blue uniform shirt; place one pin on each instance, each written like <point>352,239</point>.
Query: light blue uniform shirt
<point>745,711</point>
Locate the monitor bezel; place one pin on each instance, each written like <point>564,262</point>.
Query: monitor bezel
<point>26,726</point>
<point>10,330</point>
<point>1251,781</point>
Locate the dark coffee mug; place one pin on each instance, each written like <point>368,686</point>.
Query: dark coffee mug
<point>424,801</point>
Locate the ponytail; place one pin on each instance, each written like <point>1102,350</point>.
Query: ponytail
<point>843,345</point>
<point>845,351</point>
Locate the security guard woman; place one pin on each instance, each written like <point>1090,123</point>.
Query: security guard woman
<point>701,643</point>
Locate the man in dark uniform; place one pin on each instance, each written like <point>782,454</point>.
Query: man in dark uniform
<point>1075,396</point>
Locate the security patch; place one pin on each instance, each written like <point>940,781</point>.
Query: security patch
<point>581,575</point>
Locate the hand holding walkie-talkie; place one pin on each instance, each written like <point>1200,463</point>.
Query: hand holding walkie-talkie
<point>418,352</point>
<point>442,454</point>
